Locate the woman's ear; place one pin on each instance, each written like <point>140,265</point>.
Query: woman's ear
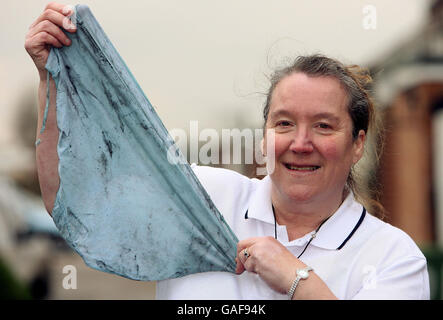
<point>359,146</point>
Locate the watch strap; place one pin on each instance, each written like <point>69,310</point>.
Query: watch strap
<point>297,280</point>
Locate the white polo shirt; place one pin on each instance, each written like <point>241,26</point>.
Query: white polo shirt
<point>356,254</point>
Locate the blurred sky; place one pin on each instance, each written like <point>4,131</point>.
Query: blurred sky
<point>206,59</point>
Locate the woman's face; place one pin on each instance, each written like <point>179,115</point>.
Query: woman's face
<point>314,149</point>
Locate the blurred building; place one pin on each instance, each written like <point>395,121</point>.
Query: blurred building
<point>409,90</point>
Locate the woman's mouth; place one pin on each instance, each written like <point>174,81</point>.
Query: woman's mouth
<point>301,167</point>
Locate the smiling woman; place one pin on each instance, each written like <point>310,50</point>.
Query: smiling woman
<point>310,209</point>
<point>303,232</point>
<point>352,103</point>
<point>314,147</point>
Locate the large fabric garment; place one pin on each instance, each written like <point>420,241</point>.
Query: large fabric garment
<point>123,205</point>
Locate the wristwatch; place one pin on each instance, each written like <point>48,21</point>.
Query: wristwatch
<point>302,274</point>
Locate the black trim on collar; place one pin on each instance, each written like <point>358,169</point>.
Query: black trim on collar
<point>355,228</point>
<point>362,217</point>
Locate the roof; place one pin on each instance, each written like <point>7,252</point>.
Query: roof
<point>418,60</point>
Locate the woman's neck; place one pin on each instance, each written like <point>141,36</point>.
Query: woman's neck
<point>302,218</point>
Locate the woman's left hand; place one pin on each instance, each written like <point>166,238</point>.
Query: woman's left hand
<point>268,258</point>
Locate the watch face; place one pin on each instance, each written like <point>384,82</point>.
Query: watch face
<point>303,274</point>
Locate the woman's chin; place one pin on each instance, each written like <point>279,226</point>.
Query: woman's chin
<point>302,196</point>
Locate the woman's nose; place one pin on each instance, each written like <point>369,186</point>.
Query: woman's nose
<point>301,141</point>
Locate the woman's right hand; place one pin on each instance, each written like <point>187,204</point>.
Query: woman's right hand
<point>46,32</point>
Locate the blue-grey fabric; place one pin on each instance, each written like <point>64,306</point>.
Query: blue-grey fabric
<point>121,204</point>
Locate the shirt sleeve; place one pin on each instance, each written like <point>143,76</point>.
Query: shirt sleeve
<point>407,279</point>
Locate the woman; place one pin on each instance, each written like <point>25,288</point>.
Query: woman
<point>303,233</point>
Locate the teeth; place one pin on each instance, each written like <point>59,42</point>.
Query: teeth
<point>302,168</point>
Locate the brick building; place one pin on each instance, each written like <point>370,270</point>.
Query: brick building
<point>409,90</point>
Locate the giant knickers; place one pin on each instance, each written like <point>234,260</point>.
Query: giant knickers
<point>128,202</point>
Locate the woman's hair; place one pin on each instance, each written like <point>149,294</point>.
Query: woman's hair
<point>355,80</point>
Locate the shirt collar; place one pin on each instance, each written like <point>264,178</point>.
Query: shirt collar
<point>260,205</point>
<point>332,234</point>
<point>341,225</point>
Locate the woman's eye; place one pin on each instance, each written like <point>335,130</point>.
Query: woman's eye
<point>324,126</point>
<point>283,123</point>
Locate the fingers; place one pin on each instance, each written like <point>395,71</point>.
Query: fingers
<point>46,31</point>
<point>44,37</point>
<point>246,243</point>
<point>245,260</point>
<point>241,261</point>
<point>241,258</point>
<point>249,262</point>
<point>243,255</point>
<point>50,28</point>
<point>56,6</point>
<point>268,258</point>
<point>240,268</point>
<point>55,17</point>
